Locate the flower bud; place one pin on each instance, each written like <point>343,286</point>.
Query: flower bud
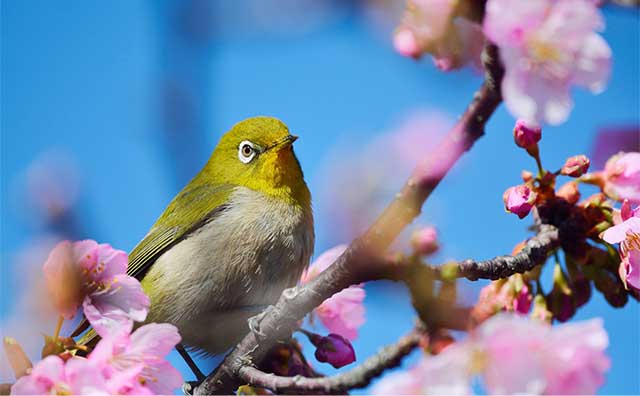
<point>526,176</point>
<point>519,200</point>
<point>425,241</point>
<point>560,300</point>
<point>540,310</point>
<point>18,359</point>
<point>526,136</point>
<point>522,300</point>
<point>569,192</point>
<point>333,349</point>
<point>576,166</point>
<point>405,42</point>
<point>581,288</point>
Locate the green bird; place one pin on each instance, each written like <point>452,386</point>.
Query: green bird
<point>237,235</point>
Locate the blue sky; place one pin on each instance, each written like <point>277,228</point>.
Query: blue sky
<point>138,104</point>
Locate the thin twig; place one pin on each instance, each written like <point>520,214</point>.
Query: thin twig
<point>358,377</point>
<point>533,253</point>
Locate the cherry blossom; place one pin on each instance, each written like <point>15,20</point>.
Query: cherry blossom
<point>431,26</point>
<point>622,177</point>
<point>94,275</point>
<point>546,47</point>
<point>513,355</point>
<point>142,356</point>
<point>344,312</point>
<point>53,376</point>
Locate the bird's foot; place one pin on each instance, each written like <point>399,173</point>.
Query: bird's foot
<point>254,322</point>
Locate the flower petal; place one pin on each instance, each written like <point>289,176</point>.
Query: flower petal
<point>593,65</point>
<point>157,339</point>
<point>113,311</point>
<point>618,233</point>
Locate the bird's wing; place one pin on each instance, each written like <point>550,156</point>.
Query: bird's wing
<point>190,210</point>
<point>193,207</point>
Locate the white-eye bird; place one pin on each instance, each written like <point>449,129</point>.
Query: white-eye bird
<point>237,235</point>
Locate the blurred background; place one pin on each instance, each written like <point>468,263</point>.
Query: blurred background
<point>108,109</point>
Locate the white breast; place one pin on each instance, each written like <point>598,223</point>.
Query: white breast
<point>244,257</point>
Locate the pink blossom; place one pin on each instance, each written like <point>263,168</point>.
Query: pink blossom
<point>575,166</point>
<point>344,312</point>
<point>400,382</point>
<point>95,276</point>
<point>519,200</point>
<point>431,26</point>
<point>333,349</point>
<point>514,355</point>
<point>448,373</point>
<point>141,355</point>
<point>53,376</point>
<point>546,47</point>
<point>528,356</point>
<point>425,241</point>
<point>622,177</point>
<point>619,233</point>
<point>526,135</point>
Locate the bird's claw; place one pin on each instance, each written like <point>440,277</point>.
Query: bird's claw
<point>254,322</point>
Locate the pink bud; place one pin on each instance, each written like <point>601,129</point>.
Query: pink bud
<point>576,166</point>
<point>522,301</point>
<point>519,200</point>
<point>569,192</point>
<point>406,44</point>
<point>333,349</point>
<point>425,241</point>
<point>526,176</point>
<point>526,136</point>
<point>581,287</point>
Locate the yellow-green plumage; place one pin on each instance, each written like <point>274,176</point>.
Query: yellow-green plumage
<point>231,240</point>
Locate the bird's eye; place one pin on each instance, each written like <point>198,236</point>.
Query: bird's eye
<point>246,151</point>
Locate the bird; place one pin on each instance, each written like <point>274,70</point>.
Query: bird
<point>238,234</point>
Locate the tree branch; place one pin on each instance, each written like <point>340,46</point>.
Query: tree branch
<point>352,266</point>
<point>533,253</point>
<point>359,377</point>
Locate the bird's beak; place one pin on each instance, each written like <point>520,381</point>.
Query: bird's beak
<point>285,142</point>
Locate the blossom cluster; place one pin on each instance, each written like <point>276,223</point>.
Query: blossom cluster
<point>93,276</point>
<point>546,47</point>
<point>512,355</point>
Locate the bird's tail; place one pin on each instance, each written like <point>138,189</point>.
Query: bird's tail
<point>88,339</point>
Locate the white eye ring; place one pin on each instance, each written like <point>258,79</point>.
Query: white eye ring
<point>246,151</point>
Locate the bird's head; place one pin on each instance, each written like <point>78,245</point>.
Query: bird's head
<point>258,153</point>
